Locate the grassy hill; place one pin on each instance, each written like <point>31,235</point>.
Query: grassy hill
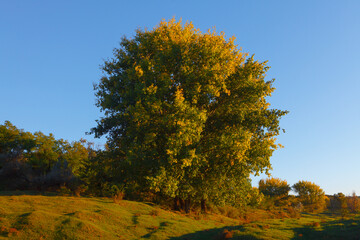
<point>61,217</point>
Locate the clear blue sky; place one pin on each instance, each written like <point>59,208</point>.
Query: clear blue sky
<point>50,53</point>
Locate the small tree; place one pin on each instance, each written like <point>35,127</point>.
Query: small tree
<point>343,204</point>
<point>274,187</point>
<point>276,191</point>
<point>353,203</point>
<point>310,195</point>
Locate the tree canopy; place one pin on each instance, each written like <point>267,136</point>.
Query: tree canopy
<point>310,194</point>
<point>274,187</point>
<point>186,112</point>
<point>35,160</point>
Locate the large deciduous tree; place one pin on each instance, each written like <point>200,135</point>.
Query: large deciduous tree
<point>187,111</point>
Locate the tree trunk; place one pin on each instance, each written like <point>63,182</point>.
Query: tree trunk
<point>176,204</point>
<point>203,205</point>
<point>187,205</point>
<point>182,205</point>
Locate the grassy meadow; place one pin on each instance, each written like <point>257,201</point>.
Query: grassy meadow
<point>27,216</point>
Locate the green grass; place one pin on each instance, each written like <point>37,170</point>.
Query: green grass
<point>60,217</point>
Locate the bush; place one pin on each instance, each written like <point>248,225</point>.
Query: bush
<point>255,197</point>
<point>118,197</point>
<point>294,212</point>
<point>117,193</point>
<point>64,190</point>
<point>226,234</point>
<point>155,212</point>
<point>230,212</point>
<point>79,190</point>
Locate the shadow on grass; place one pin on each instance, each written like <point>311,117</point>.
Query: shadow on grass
<point>22,220</point>
<point>135,219</point>
<point>337,229</point>
<point>217,234</point>
<point>155,229</point>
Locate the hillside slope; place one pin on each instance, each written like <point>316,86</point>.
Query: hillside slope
<point>61,217</point>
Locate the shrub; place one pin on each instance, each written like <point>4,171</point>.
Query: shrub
<point>78,190</point>
<point>226,234</point>
<point>233,213</point>
<point>155,212</point>
<point>212,208</point>
<point>314,224</point>
<point>230,212</point>
<point>255,197</point>
<point>112,190</point>
<point>294,212</point>
<point>64,190</point>
<point>12,232</point>
<point>118,197</point>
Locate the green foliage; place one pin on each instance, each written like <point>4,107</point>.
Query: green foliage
<point>45,153</point>
<point>186,112</point>
<point>276,192</point>
<point>274,187</point>
<point>342,204</point>
<point>255,197</point>
<point>14,142</point>
<point>76,155</point>
<point>30,160</point>
<point>311,195</point>
<point>104,173</point>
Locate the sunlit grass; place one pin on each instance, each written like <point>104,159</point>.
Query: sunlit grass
<point>60,217</point>
<point>64,217</point>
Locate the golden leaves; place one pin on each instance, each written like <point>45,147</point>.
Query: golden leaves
<point>151,89</point>
<point>139,71</point>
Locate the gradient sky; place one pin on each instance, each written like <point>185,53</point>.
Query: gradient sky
<point>50,53</point>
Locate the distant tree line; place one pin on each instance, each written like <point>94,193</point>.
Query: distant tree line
<point>309,197</point>
<point>39,161</point>
<point>35,161</point>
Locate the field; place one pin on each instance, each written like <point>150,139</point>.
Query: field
<point>64,217</point>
